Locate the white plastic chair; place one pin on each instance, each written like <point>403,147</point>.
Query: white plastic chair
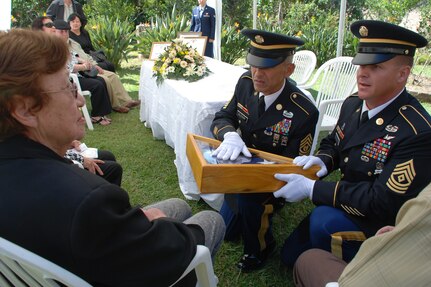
<point>84,109</point>
<point>20,267</point>
<point>305,63</point>
<point>337,81</point>
<point>203,267</point>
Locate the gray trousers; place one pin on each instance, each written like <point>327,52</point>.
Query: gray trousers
<point>210,221</point>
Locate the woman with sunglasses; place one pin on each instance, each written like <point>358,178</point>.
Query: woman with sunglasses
<point>44,24</point>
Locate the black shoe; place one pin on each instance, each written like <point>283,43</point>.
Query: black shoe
<point>278,203</point>
<point>252,262</point>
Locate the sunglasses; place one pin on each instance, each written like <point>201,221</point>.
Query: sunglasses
<point>49,25</point>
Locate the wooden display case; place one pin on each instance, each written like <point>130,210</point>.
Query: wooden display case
<point>244,175</point>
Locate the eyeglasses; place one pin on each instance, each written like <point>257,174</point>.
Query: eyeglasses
<point>48,25</point>
<point>72,88</point>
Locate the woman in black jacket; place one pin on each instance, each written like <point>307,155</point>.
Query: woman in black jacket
<point>80,35</point>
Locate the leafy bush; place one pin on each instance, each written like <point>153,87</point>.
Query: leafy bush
<point>113,36</point>
<point>321,36</point>
<point>233,43</point>
<point>24,11</point>
<point>161,29</point>
<point>114,9</point>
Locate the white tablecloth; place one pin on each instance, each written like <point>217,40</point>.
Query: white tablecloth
<point>176,108</point>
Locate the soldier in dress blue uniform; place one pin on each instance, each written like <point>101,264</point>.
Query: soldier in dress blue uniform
<point>203,20</point>
<point>269,113</point>
<point>381,144</point>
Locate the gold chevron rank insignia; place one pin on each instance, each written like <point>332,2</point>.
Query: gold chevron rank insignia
<point>305,145</point>
<point>401,177</point>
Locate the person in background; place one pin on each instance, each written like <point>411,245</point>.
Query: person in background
<point>66,214</point>
<point>100,102</point>
<point>271,115</point>
<point>395,256</point>
<point>381,144</point>
<point>61,10</point>
<point>120,100</point>
<point>203,20</point>
<point>80,35</point>
<point>43,23</point>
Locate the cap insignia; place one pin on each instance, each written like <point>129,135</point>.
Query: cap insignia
<point>406,52</point>
<point>259,39</point>
<point>363,31</point>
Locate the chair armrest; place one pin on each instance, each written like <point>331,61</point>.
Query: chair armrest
<point>202,264</point>
<point>323,105</point>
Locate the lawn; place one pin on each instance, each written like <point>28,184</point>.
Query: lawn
<point>150,175</point>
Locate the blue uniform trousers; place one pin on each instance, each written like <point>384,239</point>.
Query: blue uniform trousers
<point>249,216</point>
<point>325,228</point>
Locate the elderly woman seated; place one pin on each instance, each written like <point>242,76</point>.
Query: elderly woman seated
<point>66,214</point>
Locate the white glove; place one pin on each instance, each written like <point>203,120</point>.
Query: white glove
<point>231,147</point>
<point>297,188</point>
<point>309,160</point>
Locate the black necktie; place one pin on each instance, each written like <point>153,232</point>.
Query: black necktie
<point>364,118</point>
<point>261,108</point>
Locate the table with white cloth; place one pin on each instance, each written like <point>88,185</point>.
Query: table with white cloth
<point>178,107</point>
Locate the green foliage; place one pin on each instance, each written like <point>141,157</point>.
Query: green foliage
<point>425,24</point>
<point>24,11</point>
<point>113,36</point>
<point>390,10</point>
<point>320,36</point>
<point>161,29</point>
<point>237,11</point>
<point>153,8</point>
<point>233,43</point>
<point>319,30</point>
<point>113,9</point>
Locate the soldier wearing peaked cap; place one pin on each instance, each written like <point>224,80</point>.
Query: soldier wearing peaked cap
<point>380,144</point>
<point>272,115</point>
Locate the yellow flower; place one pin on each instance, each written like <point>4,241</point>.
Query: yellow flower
<point>299,34</point>
<point>236,24</point>
<point>176,60</point>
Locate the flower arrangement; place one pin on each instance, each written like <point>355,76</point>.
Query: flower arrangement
<point>180,61</point>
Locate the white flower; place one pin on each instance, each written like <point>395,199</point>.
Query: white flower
<point>171,69</point>
<point>183,64</point>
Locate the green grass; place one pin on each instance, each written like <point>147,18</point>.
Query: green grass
<point>150,175</point>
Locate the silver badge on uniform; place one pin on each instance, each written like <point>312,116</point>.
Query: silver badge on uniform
<point>391,128</point>
<point>365,158</point>
<point>287,114</point>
